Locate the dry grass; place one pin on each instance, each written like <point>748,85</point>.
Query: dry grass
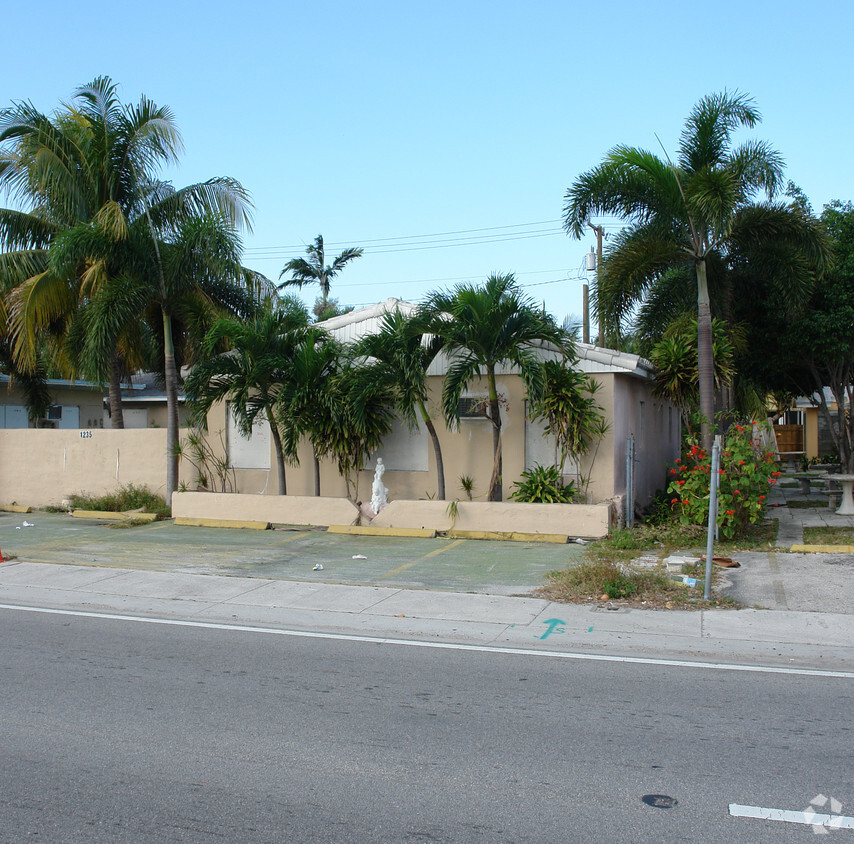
<point>607,581</point>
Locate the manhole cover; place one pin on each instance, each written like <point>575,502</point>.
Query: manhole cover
<point>660,801</point>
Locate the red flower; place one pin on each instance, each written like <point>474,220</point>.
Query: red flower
<point>680,482</point>
<point>730,512</point>
<point>761,497</point>
<point>741,462</point>
<point>673,472</point>
<point>736,492</point>
<point>678,460</point>
<point>674,500</point>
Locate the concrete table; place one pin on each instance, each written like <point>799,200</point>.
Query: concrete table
<point>791,457</point>
<point>846,508</point>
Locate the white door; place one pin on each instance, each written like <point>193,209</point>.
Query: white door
<point>70,417</point>
<point>135,417</point>
<point>16,416</point>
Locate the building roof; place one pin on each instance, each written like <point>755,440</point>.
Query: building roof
<point>350,327</point>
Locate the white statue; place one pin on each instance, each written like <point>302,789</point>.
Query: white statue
<point>379,493</point>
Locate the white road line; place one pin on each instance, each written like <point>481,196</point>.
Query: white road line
<point>451,646</point>
<point>787,816</point>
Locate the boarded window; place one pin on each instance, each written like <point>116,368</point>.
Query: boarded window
<point>403,449</point>
<point>251,452</point>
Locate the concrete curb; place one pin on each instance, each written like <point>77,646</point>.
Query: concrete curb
<point>369,530</point>
<point>222,523</point>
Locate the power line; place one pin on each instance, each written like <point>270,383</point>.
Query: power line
<point>411,243</point>
<point>413,247</point>
<point>419,236</point>
<point>446,279</point>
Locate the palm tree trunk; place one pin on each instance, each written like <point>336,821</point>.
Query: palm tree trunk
<point>705,358</point>
<point>280,457</point>
<point>495,484</point>
<point>316,475</point>
<point>171,409</point>
<point>437,449</point>
<point>117,419</point>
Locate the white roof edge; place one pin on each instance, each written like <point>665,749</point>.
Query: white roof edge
<point>633,364</point>
<point>371,311</point>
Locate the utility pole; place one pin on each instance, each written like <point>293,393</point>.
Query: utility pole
<point>600,234</point>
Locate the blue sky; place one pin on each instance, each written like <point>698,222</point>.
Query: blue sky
<point>378,124</point>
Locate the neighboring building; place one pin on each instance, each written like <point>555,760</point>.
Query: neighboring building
<point>625,396</point>
<point>83,404</point>
<point>817,438</point>
<point>76,404</point>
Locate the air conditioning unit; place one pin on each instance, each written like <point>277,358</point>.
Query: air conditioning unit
<point>54,412</point>
<point>473,407</point>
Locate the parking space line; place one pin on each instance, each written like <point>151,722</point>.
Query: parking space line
<point>292,538</point>
<point>406,566</point>
<point>444,548</point>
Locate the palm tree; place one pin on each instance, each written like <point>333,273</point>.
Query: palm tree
<point>315,271</point>
<point>482,327</point>
<point>401,356</point>
<point>119,238</point>
<point>89,174</point>
<point>361,412</point>
<point>251,374</point>
<point>305,401</point>
<point>688,216</point>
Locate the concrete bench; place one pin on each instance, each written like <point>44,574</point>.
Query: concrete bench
<point>805,479</point>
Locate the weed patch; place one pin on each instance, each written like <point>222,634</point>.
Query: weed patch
<point>125,498</point>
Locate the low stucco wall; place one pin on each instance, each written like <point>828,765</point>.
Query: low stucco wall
<point>40,467</point>
<point>279,509</point>
<point>583,520</point>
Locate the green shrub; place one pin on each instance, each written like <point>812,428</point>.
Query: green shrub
<point>543,485</point>
<point>744,478</point>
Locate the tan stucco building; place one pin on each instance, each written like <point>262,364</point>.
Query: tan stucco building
<point>625,396</point>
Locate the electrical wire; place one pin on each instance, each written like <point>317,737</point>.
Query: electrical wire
<point>412,243</point>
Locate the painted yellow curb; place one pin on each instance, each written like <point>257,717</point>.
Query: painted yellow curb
<point>367,530</point>
<point>15,508</point>
<point>222,523</point>
<point>822,549</point>
<point>510,536</point>
<point>106,515</point>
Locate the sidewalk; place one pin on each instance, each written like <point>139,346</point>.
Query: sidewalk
<point>823,641</point>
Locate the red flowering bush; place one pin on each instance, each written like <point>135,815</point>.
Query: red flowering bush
<point>743,480</point>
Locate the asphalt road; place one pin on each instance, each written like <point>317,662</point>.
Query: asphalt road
<point>114,731</point>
